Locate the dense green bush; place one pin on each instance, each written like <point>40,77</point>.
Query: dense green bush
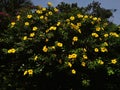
<point>42,42</point>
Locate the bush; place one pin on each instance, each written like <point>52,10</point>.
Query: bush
<point>42,43</point>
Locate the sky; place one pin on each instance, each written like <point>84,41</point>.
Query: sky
<point>107,4</point>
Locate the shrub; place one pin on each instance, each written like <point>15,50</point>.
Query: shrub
<point>43,42</point>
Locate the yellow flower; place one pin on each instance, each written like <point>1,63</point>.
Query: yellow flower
<point>41,17</point>
<point>72,18</point>
<point>69,56</point>
<point>46,40</point>
<point>67,20</point>
<point>75,38</point>
<point>12,23</point>
<point>69,64</point>
<point>105,44</point>
<point>49,4</point>
<point>32,34</point>
<point>72,56</point>
<point>103,49</point>
<point>35,58</point>
<point>105,24</point>
<point>53,47</point>
<point>83,64</point>
<point>47,31</point>
<point>56,10</point>
<point>50,13</point>
<point>30,72</point>
<point>99,19</point>
<point>38,11</point>
<point>34,28</point>
<point>92,22</point>
<point>59,44</point>
<point>12,50</point>
<point>25,72</point>
<point>73,71</point>
<point>52,28</point>
<point>18,17</point>
<point>44,9</point>
<point>45,49</point>
<point>95,18</point>
<point>91,16</point>
<point>26,23</point>
<point>85,57</point>
<point>96,49</point>
<point>79,30</point>
<point>113,61</point>
<point>95,35</point>
<point>25,38</point>
<point>78,24</point>
<point>114,34</point>
<point>86,16</point>
<point>29,16</point>
<point>58,23</point>
<point>84,50</point>
<point>100,62</point>
<point>79,16</point>
<point>97,28</point>
<point>46,18</point>
<point>102,28</point>
<point>106,35</point>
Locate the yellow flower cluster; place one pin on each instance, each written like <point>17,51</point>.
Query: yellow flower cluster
<point>29,72</point>
<point>52,28</point>
<point>72,56</point>
<point>39,11</point>
<point>95,35</point>
<point>76,27</point>
<point>79,15</point>
<point>12,50</point>
<point>114,34</point>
